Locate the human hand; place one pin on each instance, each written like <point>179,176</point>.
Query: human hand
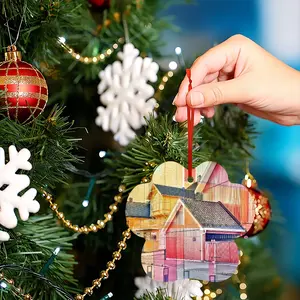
<point>240,72</point>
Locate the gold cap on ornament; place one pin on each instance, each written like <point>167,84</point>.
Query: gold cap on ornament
<point>249,181</point>
<point>12,53</point>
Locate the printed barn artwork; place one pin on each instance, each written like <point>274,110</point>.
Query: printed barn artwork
<point>190,228</point>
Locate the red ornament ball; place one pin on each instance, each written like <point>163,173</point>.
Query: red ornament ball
<point>262,205</point>
<point>26,90</point>
<point>100,3</point>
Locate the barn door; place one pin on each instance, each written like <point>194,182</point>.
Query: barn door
<point>175,245</point>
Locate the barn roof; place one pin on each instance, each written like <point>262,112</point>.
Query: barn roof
<point>212,214</point>
<point>177,192</point>
<point>138,209</point>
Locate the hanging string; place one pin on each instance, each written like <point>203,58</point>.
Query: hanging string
<point>190,120</point>
<point>19,29</point>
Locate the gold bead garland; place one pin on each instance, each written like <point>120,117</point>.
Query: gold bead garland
<point>111,265</point>
<point>100,224</point>
<point>91,59</point>
<point>96,283</point>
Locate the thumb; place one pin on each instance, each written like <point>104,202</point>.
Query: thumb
<point>211,94</point>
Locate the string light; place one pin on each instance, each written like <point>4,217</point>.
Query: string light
<point>108,296</point>
<point>178,50</point>
<point>9,283</point>
<point>62,39</point>
<point>50,261</point>
<point>173,65</point>
<point>88,291</point>
<point>163,82</point>
<point>243,286</point>
<point>209,294</point>
<point>85,203</point>
<point>219,291</point>
<point>102,154</point>
<point>180,57</point>
<point>90,59</point>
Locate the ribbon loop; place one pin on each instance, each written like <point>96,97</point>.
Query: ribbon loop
<point>190,121</point>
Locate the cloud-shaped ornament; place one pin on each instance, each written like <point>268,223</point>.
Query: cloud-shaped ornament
<point>190,228</point>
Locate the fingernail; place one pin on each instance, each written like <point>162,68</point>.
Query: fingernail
<point>173,103</point>
<point>197,99</point>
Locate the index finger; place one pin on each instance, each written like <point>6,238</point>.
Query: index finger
<point>214,60</point>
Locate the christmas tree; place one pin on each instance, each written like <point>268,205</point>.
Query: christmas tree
<point>86,155</point>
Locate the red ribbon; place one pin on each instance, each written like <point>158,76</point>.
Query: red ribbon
<point>190,121</point>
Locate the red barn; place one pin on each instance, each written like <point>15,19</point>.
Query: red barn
<point>201,231</point>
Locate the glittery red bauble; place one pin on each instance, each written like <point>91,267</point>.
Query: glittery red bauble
<point>100,3</point>
<point>262,205</point>
<point>26,90</point>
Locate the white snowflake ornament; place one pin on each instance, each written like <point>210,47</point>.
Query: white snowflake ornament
<point>125,92</point>
<point>12,184</point>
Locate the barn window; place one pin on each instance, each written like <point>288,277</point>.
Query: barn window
<point>153,236</point>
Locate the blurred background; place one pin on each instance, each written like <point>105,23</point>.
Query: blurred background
<point>275,25</point>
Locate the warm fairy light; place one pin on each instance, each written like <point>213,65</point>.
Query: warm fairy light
<point>178,50</point>
<point>3,285</point>
<point>236,272</point>
<point>243,286</point>
<point>243,296</point>
<point>206,298</point>
<point>56,251</point>
<point>86,59</point>
<point>204,282</point>
<point>206,291</point>
<point>85,203</point>
<point>173,65</point>
<point>164,80</point>
<point>219,291</point>
<point>239,262</point>
<point>102,153</point>
<point>62,39</point>
<point>241,253</point>
<point>213,295</point>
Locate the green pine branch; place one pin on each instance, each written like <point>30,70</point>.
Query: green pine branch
<point>31,245</point>
<point>51,145</point>
<point>160,294</point>
<point>43,22</point>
